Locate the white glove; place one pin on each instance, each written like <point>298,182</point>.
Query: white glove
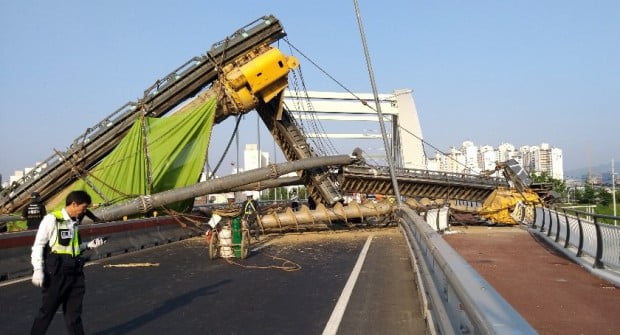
<point>37,278</point>
<point>96,243</point>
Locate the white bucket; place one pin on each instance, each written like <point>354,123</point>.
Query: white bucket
<point>226,242</point>
<point>214,220</point>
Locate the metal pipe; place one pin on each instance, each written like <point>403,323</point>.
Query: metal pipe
<point>581,237</point>
<point>271,183</point>
<point>598,263</point>
<point>567,240</point>
<point>542,226</point>
<point>557,232</point>
<point>550,229</point>
<point>145,203</point>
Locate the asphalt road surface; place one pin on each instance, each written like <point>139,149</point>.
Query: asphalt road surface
<point>354,282</point>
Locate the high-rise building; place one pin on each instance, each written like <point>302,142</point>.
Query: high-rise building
<point>470,151</point>
<point>252,159</point>
<point>548,160</point>
<point>505,151</point>
<point>487,157</point>
<point>472,159</point>
<point>432,164</point>
<point>438,163</point>
<point>557,164</point>
<point>523,156</point>
<point>455,161</point>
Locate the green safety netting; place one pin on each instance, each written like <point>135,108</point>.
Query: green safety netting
<point>177,150</point>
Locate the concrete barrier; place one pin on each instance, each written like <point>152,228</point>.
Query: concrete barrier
<point>123,237</point>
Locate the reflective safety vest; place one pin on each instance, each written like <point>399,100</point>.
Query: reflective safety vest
<point>67,239</point>
<point>249,208</point>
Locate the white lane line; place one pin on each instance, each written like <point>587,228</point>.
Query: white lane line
<point>334,320</point>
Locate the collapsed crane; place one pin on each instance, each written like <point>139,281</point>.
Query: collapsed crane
<point>59,170</point>
<point>243,72</point>
<point>495,198</point>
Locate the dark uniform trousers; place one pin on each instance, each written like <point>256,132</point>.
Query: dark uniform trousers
<point>63,285</point>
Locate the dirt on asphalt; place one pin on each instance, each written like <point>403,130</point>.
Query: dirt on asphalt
<point>554,294</point>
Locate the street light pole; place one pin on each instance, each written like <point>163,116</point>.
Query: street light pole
<point>388,148</point>
<point>613,185</point>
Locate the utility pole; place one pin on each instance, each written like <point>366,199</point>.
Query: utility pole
<point>388,148</point>
<point>613,186</point>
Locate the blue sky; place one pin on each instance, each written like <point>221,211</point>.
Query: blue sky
<point>523,72</point>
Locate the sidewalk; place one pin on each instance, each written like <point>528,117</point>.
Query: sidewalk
<point>554,294</point>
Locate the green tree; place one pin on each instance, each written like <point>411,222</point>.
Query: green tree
<point>604,197</point>
<point>591,195</point>
<point>558,185</point>
<point>587,196</point>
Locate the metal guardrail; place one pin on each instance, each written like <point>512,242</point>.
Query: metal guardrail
<point>457,299</point>
<point>583,233</point>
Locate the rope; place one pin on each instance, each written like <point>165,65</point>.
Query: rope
<point>313,115</point>
<point>80,173</point>
<point>177,217</point>
<point>295,219</point>
<point>84,173</point>
<point>232,136</point>
<point>287,265</point>
<point>147,156</point>
<point>308,111</point>
<point>363,102</point>
<point>299,122</point>
<point>324,72</point>
<point>260,223</point>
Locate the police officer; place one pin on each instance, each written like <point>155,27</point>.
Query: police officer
<point>34,212</point>
<point>58,267</point>
<point>249,212</point>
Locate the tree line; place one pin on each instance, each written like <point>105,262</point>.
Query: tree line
<point>587,195</point>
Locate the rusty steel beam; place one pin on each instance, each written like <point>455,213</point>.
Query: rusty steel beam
<point>418,183</point>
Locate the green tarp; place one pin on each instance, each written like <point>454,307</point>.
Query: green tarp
<point>177,150</point>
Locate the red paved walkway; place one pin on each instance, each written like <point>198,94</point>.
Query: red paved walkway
<point>555,295</point>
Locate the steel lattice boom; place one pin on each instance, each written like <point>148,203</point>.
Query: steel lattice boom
<point>418,183</point>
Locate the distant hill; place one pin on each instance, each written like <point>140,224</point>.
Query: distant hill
<point>582,172</point>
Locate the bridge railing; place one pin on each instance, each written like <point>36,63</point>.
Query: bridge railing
<point>457,299</point>
<point>594,238</point>
<point>451,176</point>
